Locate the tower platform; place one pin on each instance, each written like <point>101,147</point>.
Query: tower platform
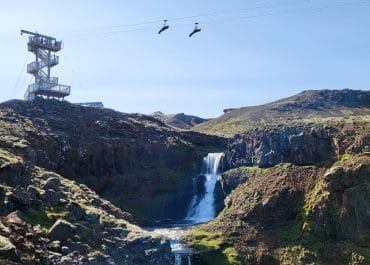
<point>44,48</point>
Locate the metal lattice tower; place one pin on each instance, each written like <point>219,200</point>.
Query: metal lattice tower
<point>44,48</point>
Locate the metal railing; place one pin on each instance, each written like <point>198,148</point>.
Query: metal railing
<point>45,43</point>
<point>47,89</point>
<point>36,66</point>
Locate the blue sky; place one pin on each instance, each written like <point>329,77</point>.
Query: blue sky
<point>233,62</point>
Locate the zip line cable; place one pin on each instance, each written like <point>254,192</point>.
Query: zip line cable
<point>20,75</point>
<point>313,9</point>
<point>24,81</point>
<point>191,17</point>
<point>238,10</point>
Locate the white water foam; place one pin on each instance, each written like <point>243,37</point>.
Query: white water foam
<point>203,210</point>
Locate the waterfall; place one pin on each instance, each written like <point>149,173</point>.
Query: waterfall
<point>201,209</point>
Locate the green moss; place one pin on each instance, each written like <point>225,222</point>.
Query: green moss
<point>38,218</point>
<point>297,255</point>
<point>45,218</point>
<point>316,195</point>
<point>207,241</point>
<point>57,215</point>
<point>212,249</point>
<point>7,159</point>
<point>13,141</point>
<point>231,255</point>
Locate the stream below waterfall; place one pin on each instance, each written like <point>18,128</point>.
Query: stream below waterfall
<point>201,209</point>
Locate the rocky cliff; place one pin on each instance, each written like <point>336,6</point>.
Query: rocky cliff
<point>294,195</point>
<point>135,161</point>
<point>48,219</point>
<point>266,147</point>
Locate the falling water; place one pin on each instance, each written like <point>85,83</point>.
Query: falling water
<point>202,209</point>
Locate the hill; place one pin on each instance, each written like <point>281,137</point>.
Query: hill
<point>180,120</point>
<point>308,107</point>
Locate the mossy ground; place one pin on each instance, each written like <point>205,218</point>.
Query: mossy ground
<point>44,217</point>
<point>213,249</point>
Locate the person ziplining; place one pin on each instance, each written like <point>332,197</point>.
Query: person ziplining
<point>164,27</point>
<point>196,30</point>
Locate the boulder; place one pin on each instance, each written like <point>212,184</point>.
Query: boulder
<point>21,196</point>
<point>61,230</point>
<point>33,192</point>
<point>52,183</point>
<point>15,218</point>
<point>13,170</point>
<point>96,202</point>
<point>7,249</point>
<point>91,217</point>
<point>76,211</point>
<point>51,196</point>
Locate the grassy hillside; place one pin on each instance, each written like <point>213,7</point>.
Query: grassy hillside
<point>308,107</point>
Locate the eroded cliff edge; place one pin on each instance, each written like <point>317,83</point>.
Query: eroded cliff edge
<point>294,195</point>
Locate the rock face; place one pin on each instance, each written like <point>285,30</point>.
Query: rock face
<point>348,187</point>
<point>134,160</point>
<point>78,227</point>
<point>271,146</point>
<point>14,170</point>
<point>290,210</point>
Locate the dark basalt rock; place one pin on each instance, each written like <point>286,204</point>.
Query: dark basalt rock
<point>21,197</point>
<point>349,194</point>
<point>52,183</point>
<point>271,146</point>
<point>51,196</point>
<point>132,160</point>
<point>61,230</point>
<point>15,172</point>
